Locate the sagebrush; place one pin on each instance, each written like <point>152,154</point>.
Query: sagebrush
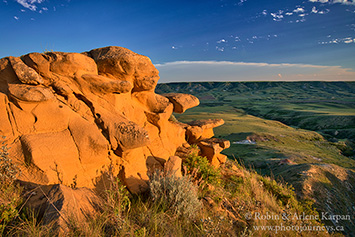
<point>178,194</point>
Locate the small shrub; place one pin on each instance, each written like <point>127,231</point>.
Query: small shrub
<point>285,193</point>
<point>8,170</point>
<point>307,206</point>
<point>10,193</point>
<point>205,171</point>
<point>176,194</point>
<point>10,200</point>
<point>117,198</point>
<point>193,146</point>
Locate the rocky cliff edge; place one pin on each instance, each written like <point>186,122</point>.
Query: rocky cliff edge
<point>69,118</point>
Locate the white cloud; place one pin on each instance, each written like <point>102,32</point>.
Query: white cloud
<point>324,12</point>
<point>301,20</point>
<point>298,10</point>
<point>316,11</point>
<point>221,49</point>
<point>186,71</point>
<point>30,4</point>
<point>347,40</point>
<point>321,1</point>
<point>221,41</point>
<point>16,18</point>
<point>345,2</point>
<point>241,2</point>
<point>277,16</point>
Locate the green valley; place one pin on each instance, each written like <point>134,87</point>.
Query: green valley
<point>300,132</point>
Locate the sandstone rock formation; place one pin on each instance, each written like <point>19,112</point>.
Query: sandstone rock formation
<point>211,149</point>
<point>182,102</point>
<point>202,129</point>
<point>68,117</point>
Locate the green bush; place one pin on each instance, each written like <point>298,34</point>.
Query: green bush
<point>173,193</point>
<point>10,200</point>
<point>201,166</point>
<point>117,198</point>
<point>285,194</point>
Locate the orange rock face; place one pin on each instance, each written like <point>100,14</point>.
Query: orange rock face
<point>69,117</point>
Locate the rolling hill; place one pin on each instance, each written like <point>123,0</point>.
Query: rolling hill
<point>300,132</point>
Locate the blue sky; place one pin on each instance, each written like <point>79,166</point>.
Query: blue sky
<point>195,40</point>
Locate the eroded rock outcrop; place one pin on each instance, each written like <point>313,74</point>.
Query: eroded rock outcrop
<point>182,102</point>
<point>202,129</point>
<point>68,117</point>
<point>212,147</point>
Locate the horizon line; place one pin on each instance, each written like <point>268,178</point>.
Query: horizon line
<point>250,81</point>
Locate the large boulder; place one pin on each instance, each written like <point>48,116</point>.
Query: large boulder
<point>125,65</point>
<point>25,73</point>
<point>173,166</point>
<point>30,93</point>
<point>60,206</point>
<point>182,102</point>
<point>7,75</point>
<point>40,63</point>
<point>211,149</point>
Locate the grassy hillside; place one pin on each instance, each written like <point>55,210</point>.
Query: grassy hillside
<point>325,107</point>
<point>315,153</point>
